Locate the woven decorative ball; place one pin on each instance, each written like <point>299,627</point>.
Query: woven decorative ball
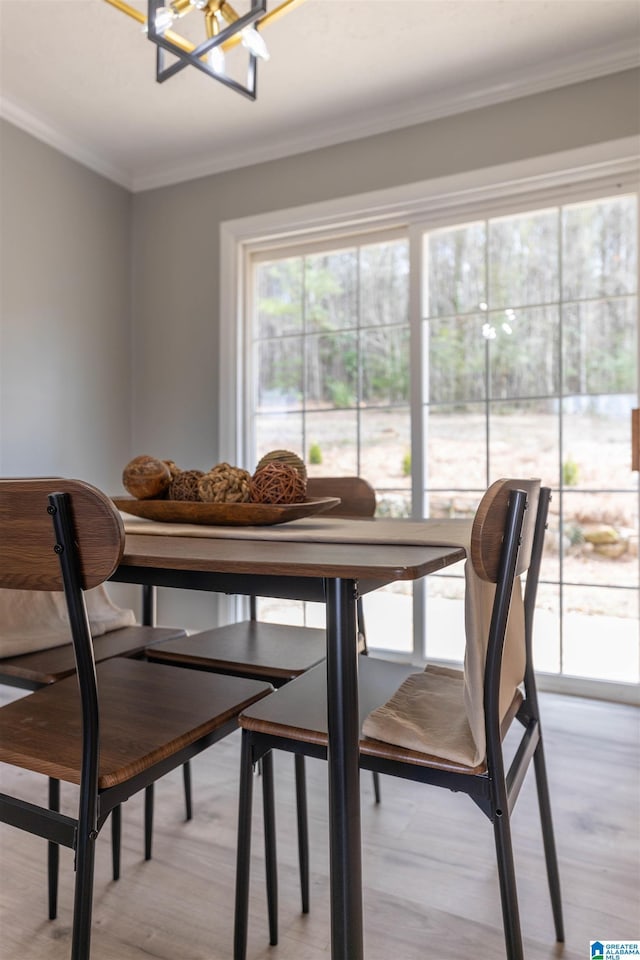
<point>284,456</point>
<point>277,483</point>
<point>174,469</point>
<point>184,485</point>
<point>146,478</point>
<point>225,484</point>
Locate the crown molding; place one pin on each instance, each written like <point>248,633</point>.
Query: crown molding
<point>462,100</point>
<point>41,130</point>
<point>466,98</point>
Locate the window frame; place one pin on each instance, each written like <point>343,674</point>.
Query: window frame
<point>574,176</point>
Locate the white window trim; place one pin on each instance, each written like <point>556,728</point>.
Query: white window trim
<point>606,168</point>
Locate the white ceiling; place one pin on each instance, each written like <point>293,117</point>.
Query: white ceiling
<point>80,75</point>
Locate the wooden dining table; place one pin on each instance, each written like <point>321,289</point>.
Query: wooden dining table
<point>334,573</point>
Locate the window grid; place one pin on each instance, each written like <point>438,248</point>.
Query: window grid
<point>562,303</point>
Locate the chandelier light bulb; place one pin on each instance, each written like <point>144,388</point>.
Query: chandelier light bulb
<point>164,18</point>
<point>215,59</point>
<point>254,43</point>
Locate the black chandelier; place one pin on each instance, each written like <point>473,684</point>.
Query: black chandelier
<point>221,27</point>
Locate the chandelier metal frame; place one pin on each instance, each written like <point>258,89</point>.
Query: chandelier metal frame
<point>224,29</point>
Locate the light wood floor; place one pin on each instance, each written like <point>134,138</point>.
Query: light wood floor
<point>430,880</point>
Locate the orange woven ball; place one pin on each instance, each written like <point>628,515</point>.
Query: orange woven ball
<point>277,483</point>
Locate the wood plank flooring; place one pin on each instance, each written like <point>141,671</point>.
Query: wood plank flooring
<point>429,870</point>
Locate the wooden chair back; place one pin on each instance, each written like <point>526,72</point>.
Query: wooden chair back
<point>501,549</point>
<point>487,534</point>
<point>29,560</point>
<point>357,496</point>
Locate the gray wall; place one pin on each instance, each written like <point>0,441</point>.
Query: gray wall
<point>176,229</point>
<point>65,320</point>
<point>65,330</point>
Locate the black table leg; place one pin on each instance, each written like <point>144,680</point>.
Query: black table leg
<point>344,781</point>
<point>149,605</point>
<point>149,620</point>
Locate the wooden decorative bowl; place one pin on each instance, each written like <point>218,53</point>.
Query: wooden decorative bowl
<point>224,514</point>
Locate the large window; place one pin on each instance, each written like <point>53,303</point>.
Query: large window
<point>530,344</point>
<point>520,331</point>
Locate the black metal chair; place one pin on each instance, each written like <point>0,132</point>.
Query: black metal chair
<point>30,671</point>
<point>100,728</point>
<point>505,538</point>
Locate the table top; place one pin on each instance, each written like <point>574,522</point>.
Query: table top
<point>354,561</point>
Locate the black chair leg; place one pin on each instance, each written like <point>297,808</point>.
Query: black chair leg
<point>548,840</point>
<point>116,840</point>
<point>53,852</point>
<point>365,653</point>
<point>271,864</point>
<point>148,821</point>
<point>303,830</point>
<point>83,898</point>
<point>186,776</point>
<point>507,878</point>
<point>243,855</point>
<point>376,785</point>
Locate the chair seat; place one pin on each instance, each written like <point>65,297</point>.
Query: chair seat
<point>250,648</point>
<point>49,666</point>
<point>299,712</point>
<point>134,733</point>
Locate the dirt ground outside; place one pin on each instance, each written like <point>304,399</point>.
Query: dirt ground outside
<point>599,502</point>
<point>603,492</point>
